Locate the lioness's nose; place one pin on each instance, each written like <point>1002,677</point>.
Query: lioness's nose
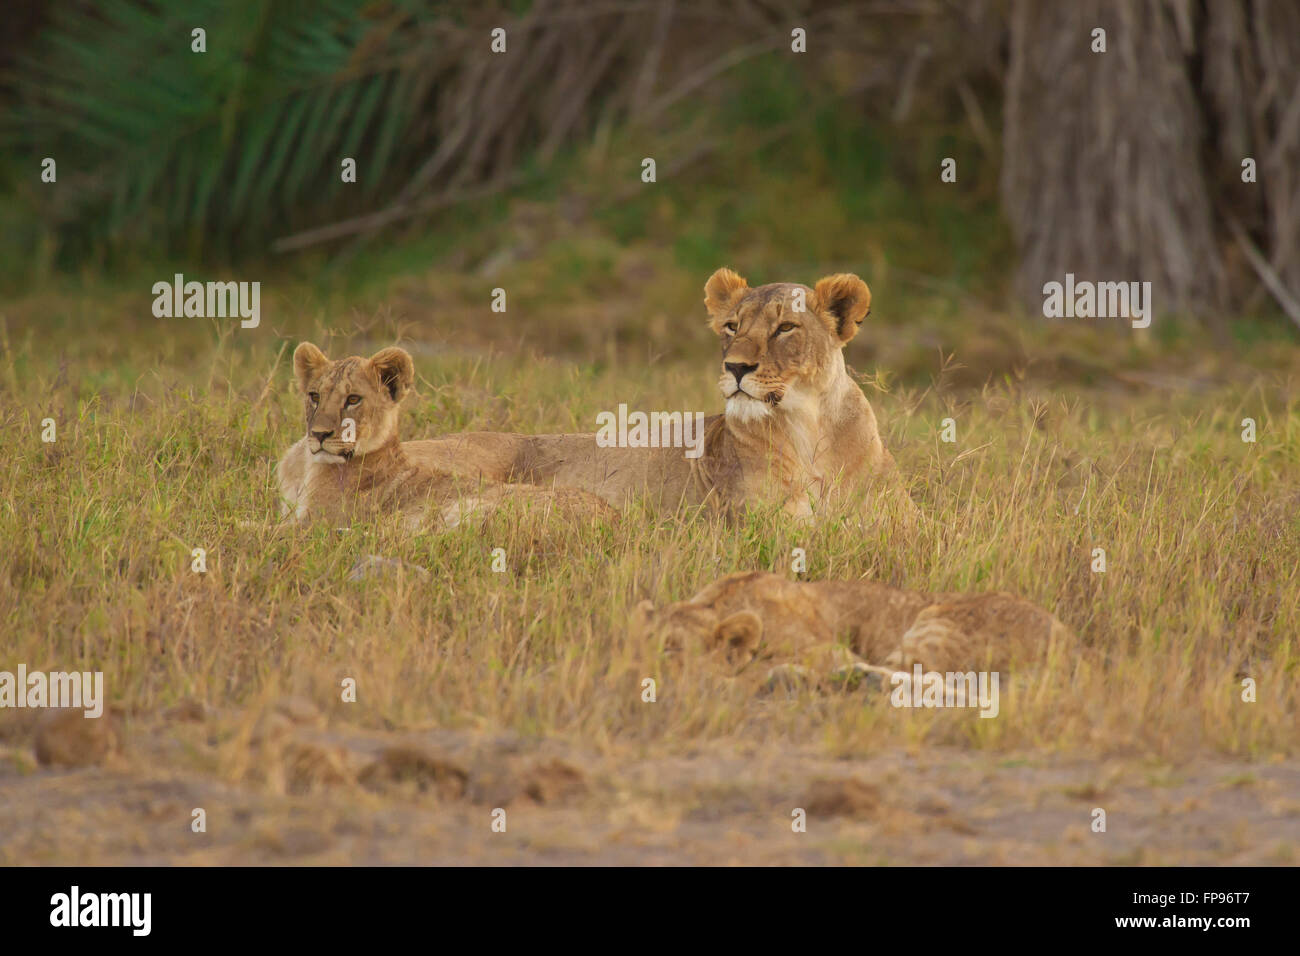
<point>738,370</point>
<point>321,436</point>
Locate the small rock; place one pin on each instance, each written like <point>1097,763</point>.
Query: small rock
<point>284,715</point>
<point>845,797</point>
<point>552,781</point>
<point>299,710</point>
<point>309,765</point>
<point>188,710</point>
<point>68,738</point>
<point>426,770</point>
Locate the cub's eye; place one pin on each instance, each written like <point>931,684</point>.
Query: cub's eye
<point>786,327</point>
<point>730,328</point>
<point>354,400</point>
<point>315,397</point>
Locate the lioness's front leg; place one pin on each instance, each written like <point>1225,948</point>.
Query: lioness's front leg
<point>290,474</point>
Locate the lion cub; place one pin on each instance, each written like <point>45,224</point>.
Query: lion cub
<point>351,462</point>
<point>756,616</point>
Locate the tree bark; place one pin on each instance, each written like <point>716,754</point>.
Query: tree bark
<point>1103,152</point>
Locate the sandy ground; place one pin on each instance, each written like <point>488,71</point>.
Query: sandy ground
<point>292,791</point>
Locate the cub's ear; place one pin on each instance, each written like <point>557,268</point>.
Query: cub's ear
<point>843,301</point>
<point>720,294</point>
<point>738,637</point>
<point>396,371</point>
<point>307,362</point>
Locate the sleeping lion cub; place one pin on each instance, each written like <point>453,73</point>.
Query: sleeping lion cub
<point>351,462</point>
<point>755,616</point>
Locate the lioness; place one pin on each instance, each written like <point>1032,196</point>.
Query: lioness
<point>796,426</point>
<point>831,627</point>
<point>351,461</point>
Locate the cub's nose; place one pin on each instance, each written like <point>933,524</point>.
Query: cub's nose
<point>738,370</point>
<point>321,436</point>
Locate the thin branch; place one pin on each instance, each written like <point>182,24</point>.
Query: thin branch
<point>1290,305</point>
<point>374,221</point>
<point>702,76</point>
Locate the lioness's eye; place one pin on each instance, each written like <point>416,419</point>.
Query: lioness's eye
<point>786,327</point>
<point>730,328</point>
<point>315,398</point>
<point>354,400</point>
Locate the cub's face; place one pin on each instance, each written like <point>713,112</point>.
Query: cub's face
<point>675,627</point>
<point>781,342</point>
<point>351,404</point>
<point>687,626</point>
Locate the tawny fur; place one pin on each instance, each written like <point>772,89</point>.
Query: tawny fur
<point>797,429</point>
<point>757,616</point>
<point>339,472</point>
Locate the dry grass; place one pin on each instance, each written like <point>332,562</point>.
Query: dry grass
<point>166,446</point>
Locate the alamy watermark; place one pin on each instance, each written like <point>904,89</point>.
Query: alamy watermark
<point>1098,300</point>
<point>213,300</point>
<point>950,689</point>
<point>78,689</point>
<point>130,910</point>
<point>625,429</point>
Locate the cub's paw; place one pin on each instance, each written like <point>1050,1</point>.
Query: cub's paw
<point>787,678</point>
<point>862,676</point>
<point>855,676</point>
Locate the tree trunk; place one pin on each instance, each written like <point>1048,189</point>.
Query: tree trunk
<point>1102,152</point>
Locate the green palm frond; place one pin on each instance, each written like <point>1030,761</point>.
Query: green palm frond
<point>225,147</point>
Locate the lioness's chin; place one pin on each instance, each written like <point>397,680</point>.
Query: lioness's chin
<point>328,458</point>
<point>744,408</point>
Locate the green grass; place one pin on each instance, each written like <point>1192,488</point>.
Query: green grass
<point>167,445</point>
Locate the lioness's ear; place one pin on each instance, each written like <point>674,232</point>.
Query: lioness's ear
<point>843,300</point>
<point>396,371</point>
<point>720,294</point>
<point>307,361</point>
<point>738,636</point>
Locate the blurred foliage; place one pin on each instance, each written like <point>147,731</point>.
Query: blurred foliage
<point>210,152</point>
<point>164,154</point>
<point>778,164</point>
